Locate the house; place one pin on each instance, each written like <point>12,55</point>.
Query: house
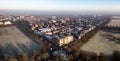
<point>1,23</point>
<point>48,33</point>
<point>44,29</point>
<point>7,23</point>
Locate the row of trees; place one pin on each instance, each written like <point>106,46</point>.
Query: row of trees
<point>24,57</point>
<point>72,56</point>
<point>117,28</point>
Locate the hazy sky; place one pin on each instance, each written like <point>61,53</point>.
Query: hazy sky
<point>67,5</point>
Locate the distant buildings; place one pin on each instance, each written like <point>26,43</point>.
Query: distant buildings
<point>5,22</point>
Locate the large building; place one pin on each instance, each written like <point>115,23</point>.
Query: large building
<point>65,40</point>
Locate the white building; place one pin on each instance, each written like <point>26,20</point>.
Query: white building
<point>45,29</point>
<point>48,33</point>
<point>65,40</point>
<point>7,23</point>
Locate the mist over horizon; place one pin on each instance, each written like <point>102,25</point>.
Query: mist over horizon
<point>59,7</point>
<point>57,12</point>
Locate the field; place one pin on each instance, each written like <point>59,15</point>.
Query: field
<point>114,22</point>
<point>100,42</point>
<point>13,41</point>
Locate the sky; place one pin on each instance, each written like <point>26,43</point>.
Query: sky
<point>61,5</point>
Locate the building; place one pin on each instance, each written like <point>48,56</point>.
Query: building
<point>45,29</point>
<point>1,23</point>
<point>22,17</point>
<point>7,23</point>
<point>65,40</point>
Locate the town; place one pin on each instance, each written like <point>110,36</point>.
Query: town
<point>59,30</point>
<point>55,33</point>
<point>64,29</point>
<point>52,36</point>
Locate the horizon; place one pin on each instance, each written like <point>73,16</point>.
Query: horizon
<point>48,12</point>
<point>61,5</point>
<point>59,30</point>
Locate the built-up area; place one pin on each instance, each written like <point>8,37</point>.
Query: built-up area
<point>60,29</point>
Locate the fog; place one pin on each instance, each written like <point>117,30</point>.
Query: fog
<point>31,12</point>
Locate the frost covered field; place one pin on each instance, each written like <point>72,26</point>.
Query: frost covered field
<point>13,35</point>
<point>114,22</point>
<point>13,41</point>
<point>101,43</point>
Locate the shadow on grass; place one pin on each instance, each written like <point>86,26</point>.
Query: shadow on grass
<point>110,38</point>
<point>12,50</point>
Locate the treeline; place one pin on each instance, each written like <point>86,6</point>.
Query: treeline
<point>72,56</point>
<point>24,57</point>
<point>83,38</point>
<point>22,24</point>
<point>117,28</point>
<point>87,36</point>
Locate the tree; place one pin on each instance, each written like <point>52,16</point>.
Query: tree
<point>35,55</point>
<point>38,58</point>
<point>102,57</point>
<point>45,56</point>
<point>59,58</point>
<point>5,57</point>
<point>23,57</point>
<point>12,59</point>
<point>116,56</point>
<point>70,57</point>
